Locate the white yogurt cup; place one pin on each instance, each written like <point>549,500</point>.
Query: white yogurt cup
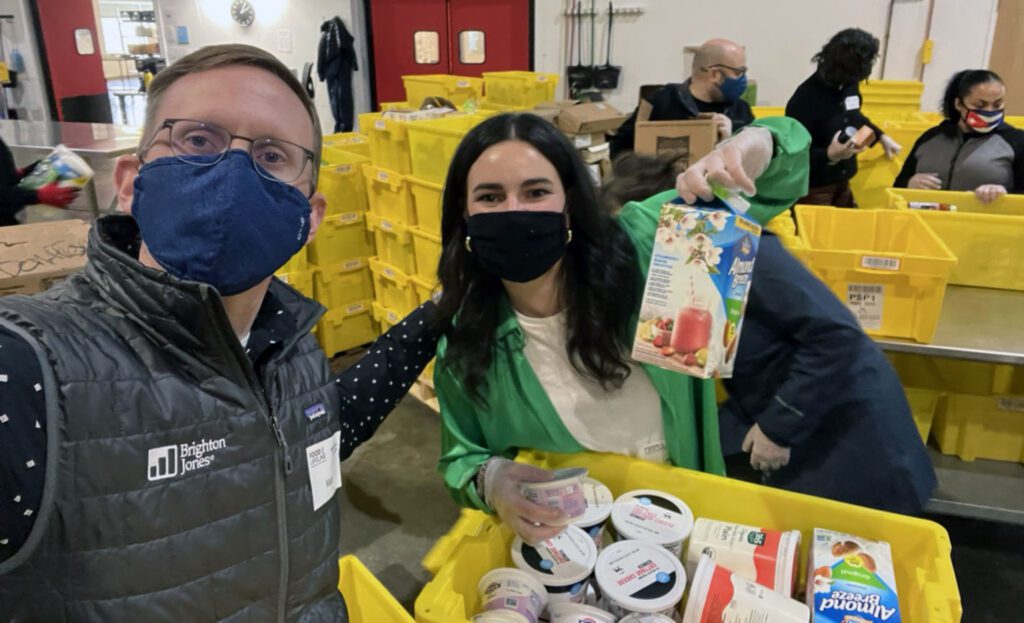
<point>564,491</point>
<point>769,557</point>
<point>500,616</point>
<point>638,617</point>
<point>562,564</point>
<point>640,577</point>
<point>717,591</point>
<point>569,612</point>
<point>653,517</point>
<point>511,590</point>
<point>599,508</point>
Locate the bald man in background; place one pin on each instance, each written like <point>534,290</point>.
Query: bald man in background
<point>718,79</point>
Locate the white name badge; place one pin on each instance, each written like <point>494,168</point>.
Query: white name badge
<point>852,102</point>
<point>324,462</point>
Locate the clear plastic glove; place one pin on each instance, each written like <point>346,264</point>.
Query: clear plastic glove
<point>925,181</point>
<point>891,147</point>
<point>734,164</point>
<point>841,151</point>
<point>987,193</point>
<point>533,522</point>
<point>723,124</point>
<point>765,454</point>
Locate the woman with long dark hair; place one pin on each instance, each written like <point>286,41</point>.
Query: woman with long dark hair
<point>973,149</point>
<point>540,294</point>
<point>829,105</point>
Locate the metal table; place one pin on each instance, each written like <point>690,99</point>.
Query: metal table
<point>91,141</point>
<point>976,324</point>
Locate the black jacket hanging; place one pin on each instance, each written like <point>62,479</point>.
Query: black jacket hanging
<point>336,60</point>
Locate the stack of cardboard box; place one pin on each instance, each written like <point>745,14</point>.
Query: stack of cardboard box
<point>34,257</point>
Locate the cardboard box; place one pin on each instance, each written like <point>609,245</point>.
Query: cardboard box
<point>590,118</point>
<point>34,257</point>
<point>688,140</point>
<point>596,153</point>
<point>583,141</point>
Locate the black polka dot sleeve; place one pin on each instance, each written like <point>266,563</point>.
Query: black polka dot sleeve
<point>373,387</point>
<point>22,441</point>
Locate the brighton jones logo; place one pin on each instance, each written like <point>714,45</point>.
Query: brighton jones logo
<point>170,461</point>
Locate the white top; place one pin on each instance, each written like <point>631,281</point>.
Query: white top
<point>624,421</point>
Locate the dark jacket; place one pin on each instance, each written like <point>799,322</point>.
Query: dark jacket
<point>336,49</point>
<point>966,160</point>
<point>12,197</point>
<point>675,102</point>
<point>824,110</point>
<point>814,382</point>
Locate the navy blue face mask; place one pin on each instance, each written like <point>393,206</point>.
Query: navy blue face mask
<point>733,88</point>
<point>220,224</point>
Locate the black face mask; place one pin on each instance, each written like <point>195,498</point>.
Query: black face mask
<point>517,246</point>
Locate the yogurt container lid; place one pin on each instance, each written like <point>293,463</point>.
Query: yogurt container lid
<point>652,516</point>
<point>646,617</point>
<point>497,575</point>
<point>569,612</point>
<point>599,504</point>
<point>500,616</point>
<point>640,576</point>
<point>560,561</point>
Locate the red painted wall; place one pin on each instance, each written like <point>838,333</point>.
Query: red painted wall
<point>71,74</point>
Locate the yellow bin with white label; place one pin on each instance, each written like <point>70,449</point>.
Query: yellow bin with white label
<point>888,266</point>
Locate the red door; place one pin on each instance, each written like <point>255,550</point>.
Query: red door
<point>461,37</point>
<point>72,54</point>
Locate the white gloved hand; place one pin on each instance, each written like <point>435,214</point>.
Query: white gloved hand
<point>987,193</point>
<point>723,124</point>
<point>533,522</point>
<point>925,181</point>
<point>841,151</point>
<point>891,147</point>
<point>765,454</point>
<point>734,164</point>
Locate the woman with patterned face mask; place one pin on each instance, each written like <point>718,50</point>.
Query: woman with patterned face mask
<point>973,149</point>
<point>541,289</point>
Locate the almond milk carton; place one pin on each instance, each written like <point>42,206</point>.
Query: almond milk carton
<point>851,580</point>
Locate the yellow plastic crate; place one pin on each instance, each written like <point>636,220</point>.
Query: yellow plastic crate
<point>346,327</point>
<point>392,288</point>
<point>427,248</point>
<point>957,375</point>
<point>341,237</point>
<point>426,202</point>
<point>424,289</point>
<point>981,427</point>
<point>342,183</point>
<point>491,108</point>
<point>433,142</point>
<point>298,262</point>
<point>923,405</point>
<point>388,194</point>
<point>367,599</point>
<point>389,142</point>
<point>921,549</point>
<point>394,243</point>
<point>760,112</point>
<point>355,142</point>
<point>988,240</point>
<point>1016,121</point>
<point>386,318</point>
<point>887,265</point>
<point>301,280</point>
<point>456,89</point>
<point>875,176</point>
<point>337,285</point>
<point>890,96</point>
<point>519,88</point>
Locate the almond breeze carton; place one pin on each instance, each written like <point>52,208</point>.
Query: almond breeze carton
<point>851,580</point>
<point>697,286</point>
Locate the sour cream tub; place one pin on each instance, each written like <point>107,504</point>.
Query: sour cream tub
<point>640,577</point>
<point>719,595</point>
<point>564,491</point>
<point>637,617</point>
<point>569,612</point>
<point>562,564</point>
<point>507,590</point>
<point>599,508</point>
<point>769,557</point>
<point>653,517</point>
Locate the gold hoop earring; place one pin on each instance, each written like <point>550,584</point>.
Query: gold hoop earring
<point>468,248</point>
<point>569,239</point>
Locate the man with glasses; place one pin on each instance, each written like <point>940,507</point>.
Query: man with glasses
<point>170,432</point>
<point>718,79</point>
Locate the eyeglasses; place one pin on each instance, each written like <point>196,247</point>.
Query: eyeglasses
<point>742,71</point>
<point>274,159</point>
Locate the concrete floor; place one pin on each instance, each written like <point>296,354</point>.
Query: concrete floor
<point>394,508</point>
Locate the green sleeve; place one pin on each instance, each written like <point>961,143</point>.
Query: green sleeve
<point>785,180</point>
<point>463,447</point>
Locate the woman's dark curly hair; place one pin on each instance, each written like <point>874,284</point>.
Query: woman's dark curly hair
<point>601,279</point>
<point>848,57</point>
<point>960,86</point>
